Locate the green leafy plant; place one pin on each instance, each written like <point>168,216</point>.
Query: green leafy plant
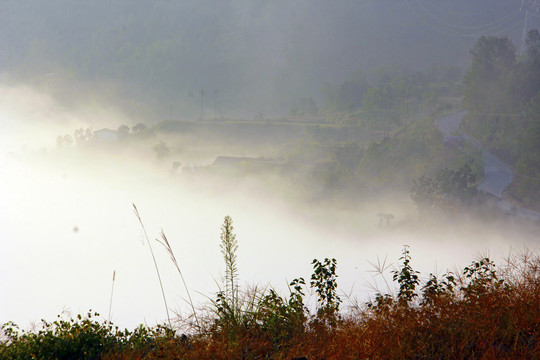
<point>482,277</point>
<point>324,281</point>
<point>435,289</point>
<point>407,279</point>
<point>381,304</point>
<point>282,319</point>
<point>76,338</point>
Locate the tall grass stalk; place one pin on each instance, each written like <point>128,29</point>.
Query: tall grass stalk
<point>155,263</point>
<point>229,246</point>
<point>168,247</point>
<point>112,290</point>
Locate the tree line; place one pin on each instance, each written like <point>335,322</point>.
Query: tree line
<point>502,95</point>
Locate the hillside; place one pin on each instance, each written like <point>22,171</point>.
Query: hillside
<point>248,57</point>
<point>502,94</point>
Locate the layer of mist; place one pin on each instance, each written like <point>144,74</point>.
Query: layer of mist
<point>251,58</point>
<point>108,104</point>
<point>67,222</point>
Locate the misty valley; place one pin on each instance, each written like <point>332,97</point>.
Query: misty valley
<point>360,191</point>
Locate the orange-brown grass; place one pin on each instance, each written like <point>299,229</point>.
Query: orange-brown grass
<point>483,313</point>
<point>486,315</point>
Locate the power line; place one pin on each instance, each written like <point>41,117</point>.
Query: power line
<point>442,26</point>
<point>486,114</point>
<point>442,31</point>
<point>534,8</point>
<point>487,25</point>
<point>506,30</point>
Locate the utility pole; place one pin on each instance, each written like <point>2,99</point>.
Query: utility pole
<point>524,32</point>
<point>527,5</point>
<point>202,104</point>
<point>407,106</point>
<point>387,129</point>
<point>215,102</point>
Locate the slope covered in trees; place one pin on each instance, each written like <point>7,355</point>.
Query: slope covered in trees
<point>502,95</point>
<point>258,55</point>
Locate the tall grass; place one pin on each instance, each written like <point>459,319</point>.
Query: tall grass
<point>155,263</point>
<point>165,242</point>
<point>112,291</point>
<point>484,311</point>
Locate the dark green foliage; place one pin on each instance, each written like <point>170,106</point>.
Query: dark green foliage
<point>81,338</point>
<point>425,192</point>
<point>502,96</point>
<point>75,338</point>
<point>448,189</point>
<point>283,320</point>
<point>458,184</point>
<point>482,277</point>
<point>324,281</point>
<point>493,63</point>
<point>530,76</point>
<point>407,279</point>
<point>388,98</point>
<point>434,290</point>
<point>381,304</point>
<point>227,315</point>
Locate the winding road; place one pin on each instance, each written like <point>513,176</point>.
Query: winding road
<point>498,175</point>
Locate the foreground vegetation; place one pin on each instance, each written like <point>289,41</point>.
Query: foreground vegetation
<point>483,312</point>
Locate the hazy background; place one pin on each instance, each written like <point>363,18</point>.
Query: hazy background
<point>258,55</point>
<point>66,219</point>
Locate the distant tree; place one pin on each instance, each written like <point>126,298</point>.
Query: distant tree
<point>64,141</point>
<point>533,46</point>
<point>311,107</point>
<point>448,187</point>
<point>458,184</point>
<point>530,74</point>
<point>488,79</point>
<point>529,162</point>
<point>123,131</point>
<point>304,107</point>
<point>139,128</point>
<point>161,149</point>
<point>81,135</point>
<point>349,95</point>
<point>425,193</point>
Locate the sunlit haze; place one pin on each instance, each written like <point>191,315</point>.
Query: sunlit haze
<point>236,118</point>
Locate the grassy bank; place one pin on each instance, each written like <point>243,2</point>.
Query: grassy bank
<point>483,312</point>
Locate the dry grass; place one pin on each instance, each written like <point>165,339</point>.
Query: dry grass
<point>483,312</point>
<point>496,316</point>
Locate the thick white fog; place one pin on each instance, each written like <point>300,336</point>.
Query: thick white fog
<point>67,222</point>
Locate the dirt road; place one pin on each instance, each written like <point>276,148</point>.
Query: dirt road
<point>497,175</point>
